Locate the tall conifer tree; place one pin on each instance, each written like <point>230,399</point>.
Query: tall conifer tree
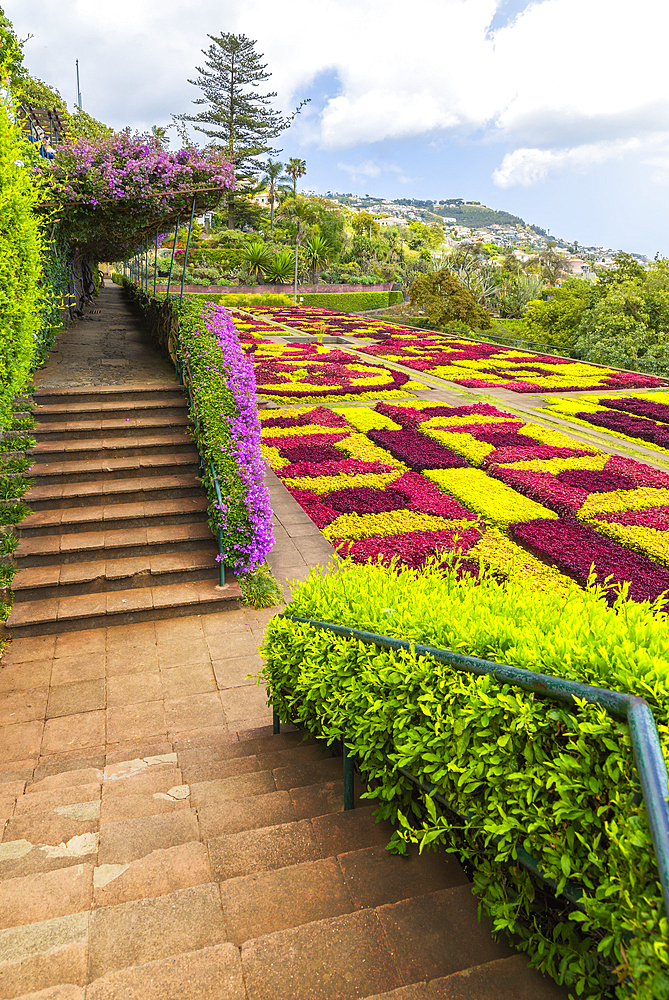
<point>234,114</point>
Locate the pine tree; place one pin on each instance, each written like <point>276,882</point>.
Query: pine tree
<point>234,113</point>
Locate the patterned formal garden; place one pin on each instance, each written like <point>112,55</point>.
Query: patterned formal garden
<point>409,479</point>
<point>643,418</point>
<point>311,372</point>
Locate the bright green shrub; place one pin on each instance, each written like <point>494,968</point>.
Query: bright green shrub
<point>233,301</point>
<point>395,297</point>
<point>20,258</point>
<point>522,770</point>
<point>346,301</point>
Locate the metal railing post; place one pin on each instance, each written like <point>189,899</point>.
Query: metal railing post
<point>349,777</point>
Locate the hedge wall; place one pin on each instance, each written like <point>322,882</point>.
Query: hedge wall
<point>347,301</point>
<point>522,770</point>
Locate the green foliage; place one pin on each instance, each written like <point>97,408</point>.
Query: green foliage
<point>522,771</point>
<point>242,301</point>
<point>13,513</point>
<point>8,543</point>
<point>281,268</point>
<point>7,574</point>
<point>11,54</point>
<point>556,317</point>
<point>21,248</point>
<point>13,466</point>
<point>442,297</point>
<point>12,487</point>
<point>260,589</point>
<point>395,297</point>
<point>346,301</point>
<point>19,443</point>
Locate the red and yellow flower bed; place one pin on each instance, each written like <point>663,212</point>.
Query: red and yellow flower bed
<point>643,418</point>
<point>253,328</point>
<point>328,322</point>
<point>410,479</point>
<point>311,373</point>
<point>488,366</point>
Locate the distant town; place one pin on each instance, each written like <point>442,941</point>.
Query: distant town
<point>467,221</point>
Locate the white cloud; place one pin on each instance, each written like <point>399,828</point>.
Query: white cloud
<point>528,166</point>
<point>564,85</point>
<point>372,169</point>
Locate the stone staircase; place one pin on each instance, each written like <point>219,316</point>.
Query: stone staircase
<point>119,529</point>
<point>226,870</point>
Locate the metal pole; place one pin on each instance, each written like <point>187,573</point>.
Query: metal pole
<point>155,265</point>
<point>276,722</point>
<point>174,247</point>
<point>349,778</point>
<point>190,227</point>
<point>78,90</point>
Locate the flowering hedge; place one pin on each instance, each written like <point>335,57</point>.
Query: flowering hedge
<point>643,418</point>
<point>304,372</point>
<point>229,433</point>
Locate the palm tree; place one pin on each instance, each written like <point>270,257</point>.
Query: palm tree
<point>318,252</point>
<point>296,168</point>
<point>272,172</point>
<point>281,267</point>
<point>257,258</point>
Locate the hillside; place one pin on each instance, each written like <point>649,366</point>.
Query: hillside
<point>477,215</point>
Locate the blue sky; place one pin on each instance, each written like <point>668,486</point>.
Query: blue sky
<point>555,110</point>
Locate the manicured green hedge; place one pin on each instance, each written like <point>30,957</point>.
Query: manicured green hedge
<point>558,781</point>
<point>241,301</point>
<point>346,301</point>
<point>394,298</point>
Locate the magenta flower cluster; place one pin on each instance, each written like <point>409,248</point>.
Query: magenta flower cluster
<point>416,450</point>
<point>634,427</point>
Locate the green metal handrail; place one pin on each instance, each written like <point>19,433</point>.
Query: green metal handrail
<point>650,762</point>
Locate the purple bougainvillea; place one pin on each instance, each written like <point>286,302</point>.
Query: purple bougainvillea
<point>416,450</point>
<point>574,548</point>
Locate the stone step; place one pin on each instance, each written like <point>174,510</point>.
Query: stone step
<point>102,409</point>
<point>123,543</point>
<point>505,979</point>
<point>84,429</point>
<point>114,516</point>
<point>113,447</point>
<point>113,394</point>
<point>116,468</point>
<point>122,607</point>
<point>55,496</point>
<point>108,575</point>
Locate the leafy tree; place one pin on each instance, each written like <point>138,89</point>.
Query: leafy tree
<point>443,298</point>
<point>627,268</point>
<point>617,331</point>
<point>78,123</point>
<point>552,265</point>
<point>556,317</point>
<point>363,222</point>
<point>234,114</point>
<point>11,50</point>
<point>514,294</point>
<point>296,168</point>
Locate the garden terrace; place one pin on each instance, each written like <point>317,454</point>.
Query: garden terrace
<point>643,417</point>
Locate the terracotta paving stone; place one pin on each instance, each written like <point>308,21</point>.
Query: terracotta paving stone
<point>309,772</point>
<point>73,669</point>
<point>20,741</point>
<point>6,809</point>
<point>61,992</point>
<point>273,901</point>
<point>53,798</point>
<point>81,606</point>
<point>221,769</point>
<point>145,930</point>
<point>248,813</point>
<point>20,858</point>
<point>80,643</point>
<point>214,753</point>
<point>51,827</point>
<point>83,572</point>
<point>83,730</point>
<point>81,541</point>
<point>157,874</point>
<point>128,689</point>
<point>239,786</point>
<point>145,783</point>
<point>22,706</point>
<point>131,839</point>
<point>80,696</point>
<point>318,800</point>
<point>237,670</point>
<point>63,757</point>
<point>505,979</point>
<point>131,660</point>
<point>261,850</point>
<point>189,649</point>
<point>174,595</point>
<point>226,623</point>
<point>40,897</point>
<point>194,712</point>
<point>242,703</point>
<point>133,806</point>
<point>342,832</point>
<point>274,760</point>
<point>417,991</point>
<point>194,678</point>
<point>117,601</point>
<point>24,676</point>
<point>53,766</point>
<point>146,719</point>
<point>123,752</point>
<point>208,974</point>
<point>375,877</point>
<point>142,762</point>
<point>11,789</point>
<point>229,645</point>
<point>43,954</point>
<point>434,935</point>
<point>32,612</point>
<point>214,736</point>
<point>63,779</point>
<point>135,634</point>
<point>341,958</point>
